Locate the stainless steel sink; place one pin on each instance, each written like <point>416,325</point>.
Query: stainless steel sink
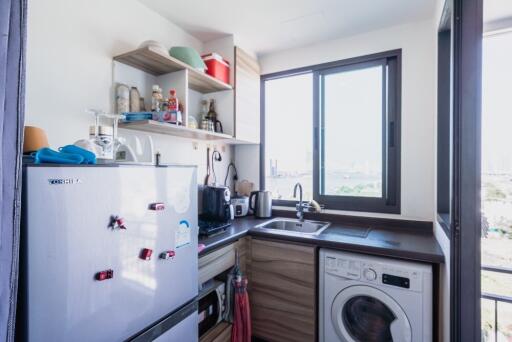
<point>296,227</point>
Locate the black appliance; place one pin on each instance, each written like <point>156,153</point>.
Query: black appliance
<point>212,306</point>
<point>217,210</point>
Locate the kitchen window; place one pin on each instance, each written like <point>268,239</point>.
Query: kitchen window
<point>334,128</point>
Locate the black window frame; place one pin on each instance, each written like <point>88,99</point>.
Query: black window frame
<point>445,118</point>
<point>390,202</point>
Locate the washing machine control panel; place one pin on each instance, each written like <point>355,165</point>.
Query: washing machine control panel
<point>370,274</point>
<point>373,272</point>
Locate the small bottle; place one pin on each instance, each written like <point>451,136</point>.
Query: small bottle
<point>134,100</point>
<point>204,109</point>
<point>155,102</point>
<point>165,105</point>
<point>203,115</point>
<point>173,101</point>
<point>122,98</point>
<point>212,114</point>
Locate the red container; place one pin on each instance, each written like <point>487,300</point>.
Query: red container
<point>217,67</point>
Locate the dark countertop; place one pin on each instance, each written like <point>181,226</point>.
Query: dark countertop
<point>384,238</point>
<point>239,228</point>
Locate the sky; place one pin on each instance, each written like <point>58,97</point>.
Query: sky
<point>352,116</point>
<point>289,122</point>
<point>353,121</point>
<point>497,104</point>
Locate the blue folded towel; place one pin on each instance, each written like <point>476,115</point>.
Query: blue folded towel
<point>47,155</point>
<point>89,157</point>
<point>69,154</point>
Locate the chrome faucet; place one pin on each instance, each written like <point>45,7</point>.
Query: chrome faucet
<point>300,206</point>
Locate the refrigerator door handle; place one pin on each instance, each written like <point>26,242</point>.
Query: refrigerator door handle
<point>167,324</point>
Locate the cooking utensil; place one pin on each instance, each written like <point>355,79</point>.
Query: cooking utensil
<point>207,180</point>
<point>244,188</point>
<point>262,204</point>
<point>35,139</point>
<point>240,205</point>
<point>217,126</point>
<point>189,56</point>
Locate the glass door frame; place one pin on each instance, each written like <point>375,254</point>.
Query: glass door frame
<point>465,220</point>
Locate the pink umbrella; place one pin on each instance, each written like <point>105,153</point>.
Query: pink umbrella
<point>242,328</point>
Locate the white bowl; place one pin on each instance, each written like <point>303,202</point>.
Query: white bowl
<point>154,45</point>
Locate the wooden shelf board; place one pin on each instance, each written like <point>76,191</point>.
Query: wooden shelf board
<point>179,131</point>
<point>156,63</point>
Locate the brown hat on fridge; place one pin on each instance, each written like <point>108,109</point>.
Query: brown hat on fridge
<point>35,138</point>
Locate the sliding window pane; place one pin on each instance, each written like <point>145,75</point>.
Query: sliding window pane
<point>352,155</point>
<point>289,135</point>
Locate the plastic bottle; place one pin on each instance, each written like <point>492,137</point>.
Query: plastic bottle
<point>173,101</point>
<point>134,100</point>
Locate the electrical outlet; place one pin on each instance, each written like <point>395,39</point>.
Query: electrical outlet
<point>195,146</point>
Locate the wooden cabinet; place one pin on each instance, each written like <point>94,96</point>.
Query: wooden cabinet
<point>220,260</point>
<point>247,97</point>
<point>282,289</point>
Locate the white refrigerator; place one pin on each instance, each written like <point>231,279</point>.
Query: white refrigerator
<point>109,253</point>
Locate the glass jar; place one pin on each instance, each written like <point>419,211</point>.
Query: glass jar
<point>103,138</point>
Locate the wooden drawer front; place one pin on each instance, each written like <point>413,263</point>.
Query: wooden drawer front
<point>216,262</point>
<point>282,290</point>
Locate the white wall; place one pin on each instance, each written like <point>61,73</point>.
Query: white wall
<point>70,68</point>
<point>418,102</point>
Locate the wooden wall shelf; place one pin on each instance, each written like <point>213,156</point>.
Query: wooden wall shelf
<point>152,126</point>
<point>156,63</point>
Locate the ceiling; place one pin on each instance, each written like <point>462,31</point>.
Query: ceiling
<point>267,26</point>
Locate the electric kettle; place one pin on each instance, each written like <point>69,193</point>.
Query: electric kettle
<point>260,202</point>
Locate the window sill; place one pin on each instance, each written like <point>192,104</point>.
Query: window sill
<point>444,221</point>
<point>367,214</point>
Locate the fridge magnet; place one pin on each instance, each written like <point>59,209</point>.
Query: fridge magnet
<point>183,234</point>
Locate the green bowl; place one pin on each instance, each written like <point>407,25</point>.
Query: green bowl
<point>189,56</point>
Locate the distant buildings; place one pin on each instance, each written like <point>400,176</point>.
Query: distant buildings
<point>273,168</point>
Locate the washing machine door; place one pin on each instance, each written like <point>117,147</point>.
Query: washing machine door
<point>364,313</point>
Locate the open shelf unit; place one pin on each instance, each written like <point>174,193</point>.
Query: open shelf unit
<point>156,63</point>
<point>145,66</point>
<point>152,126</point>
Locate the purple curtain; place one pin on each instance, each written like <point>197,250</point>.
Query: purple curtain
<point>12,77</point>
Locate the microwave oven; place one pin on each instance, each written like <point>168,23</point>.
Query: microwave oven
<point>212,306</point>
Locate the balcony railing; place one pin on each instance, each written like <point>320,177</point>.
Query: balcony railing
<point>494,297</point>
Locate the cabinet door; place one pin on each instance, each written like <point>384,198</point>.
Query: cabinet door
<point>282,291</point>
<point>247,97</point>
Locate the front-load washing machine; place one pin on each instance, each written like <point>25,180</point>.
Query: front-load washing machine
<point>366,298</point>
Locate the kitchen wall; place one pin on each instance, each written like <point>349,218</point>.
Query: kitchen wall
<point>418,100</point>
<point>69,68</point>
<point>418,42</point>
